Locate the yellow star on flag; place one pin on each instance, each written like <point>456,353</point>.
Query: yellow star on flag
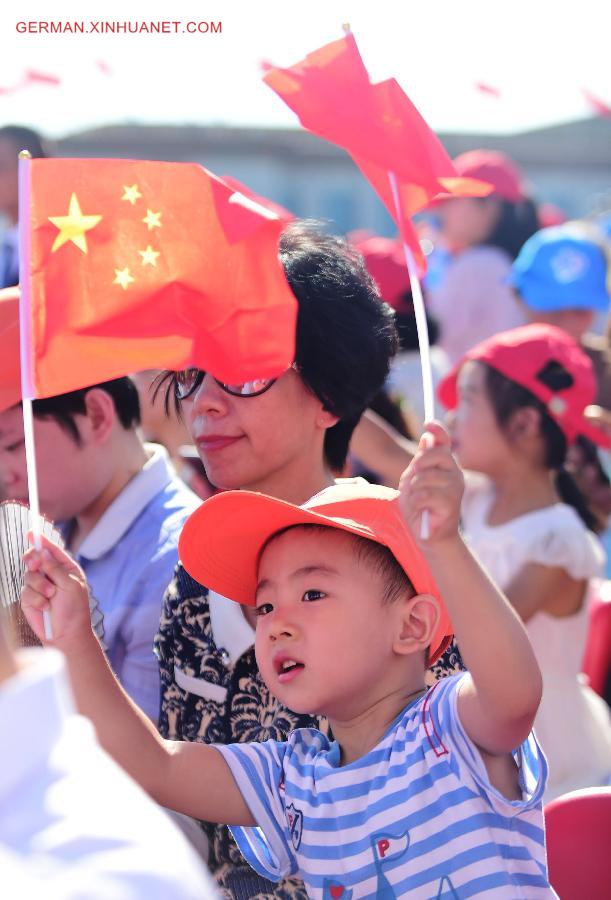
<point>73,226</point>
<point>149,256</point>
<point>131,193</point>
<point>123,277</point>
<point>152,219</point>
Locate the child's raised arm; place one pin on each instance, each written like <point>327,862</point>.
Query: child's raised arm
<point>499,699</point>
<point>191,778</point>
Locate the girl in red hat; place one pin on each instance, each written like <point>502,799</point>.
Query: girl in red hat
<point>519,401</point>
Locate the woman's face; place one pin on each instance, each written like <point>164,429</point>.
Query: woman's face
<point>254,442</point>
<point>468,221</point>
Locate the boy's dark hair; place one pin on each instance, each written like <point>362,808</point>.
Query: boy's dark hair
<point>64,407</point>
<point>377,556</point>
<point>506,397</point>
<point>25,139</point>
<point>346,336</point>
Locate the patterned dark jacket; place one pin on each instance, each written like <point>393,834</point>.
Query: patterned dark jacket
<point>233,706</point>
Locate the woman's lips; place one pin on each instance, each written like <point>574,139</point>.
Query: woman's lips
<point>211,442</point>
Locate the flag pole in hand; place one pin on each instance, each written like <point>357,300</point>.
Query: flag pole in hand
<point>423,335</point>
<point>25,332</point>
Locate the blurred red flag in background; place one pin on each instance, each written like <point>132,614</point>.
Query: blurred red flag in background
<point>10,383</point>
<point>377,124</point>
<point>132,265</point>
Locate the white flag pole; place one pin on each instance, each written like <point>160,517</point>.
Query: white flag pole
<point>26,350</point>
<point>422,331</point>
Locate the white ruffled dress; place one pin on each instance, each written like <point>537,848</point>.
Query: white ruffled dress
<point>573,724</point>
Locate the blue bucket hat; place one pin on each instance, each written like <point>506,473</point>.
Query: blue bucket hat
<point>561,268</point>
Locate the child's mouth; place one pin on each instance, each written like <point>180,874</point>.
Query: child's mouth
<point>287,669</point>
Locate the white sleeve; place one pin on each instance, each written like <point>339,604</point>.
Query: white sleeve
<point>569,545</point>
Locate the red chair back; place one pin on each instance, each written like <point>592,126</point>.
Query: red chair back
<point>578,827</point>
<point>597,656</point>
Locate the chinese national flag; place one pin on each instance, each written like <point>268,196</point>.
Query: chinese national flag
<point>377,124</point>
<point>132,265</point>
<point>10,385</point>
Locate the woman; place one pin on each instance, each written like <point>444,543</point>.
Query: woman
<point>285,437</point>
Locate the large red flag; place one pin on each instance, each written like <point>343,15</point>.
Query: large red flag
<point>133,265</point>
<point>377,124</point>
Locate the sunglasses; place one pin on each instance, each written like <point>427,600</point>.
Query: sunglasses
<point>187,381</point>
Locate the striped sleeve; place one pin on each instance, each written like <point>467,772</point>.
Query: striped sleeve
<point>258,771</point>
<point>446,734</point>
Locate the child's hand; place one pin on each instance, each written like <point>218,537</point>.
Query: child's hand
<point>54,581</point>
<point>433,481</point>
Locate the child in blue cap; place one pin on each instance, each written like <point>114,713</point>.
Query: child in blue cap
<point>561,278</point>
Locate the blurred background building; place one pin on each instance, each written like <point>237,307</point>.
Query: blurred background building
<point>567,164</point>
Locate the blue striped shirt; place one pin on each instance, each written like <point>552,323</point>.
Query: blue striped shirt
<point>415,816</point>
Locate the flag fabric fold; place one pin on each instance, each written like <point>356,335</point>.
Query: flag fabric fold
<point>378,125</point>
<point>137,264</point>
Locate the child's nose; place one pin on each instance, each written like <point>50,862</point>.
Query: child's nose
<point>282,627</point>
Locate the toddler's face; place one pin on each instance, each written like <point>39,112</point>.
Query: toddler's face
<point>323,637</point>
<point>477,440</point>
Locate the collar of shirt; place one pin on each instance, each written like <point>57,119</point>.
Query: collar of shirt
<point>154,476</point>
<point>34,705</point>
<point>232,633</point>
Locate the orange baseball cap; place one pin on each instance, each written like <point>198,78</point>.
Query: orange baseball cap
<point>221,541</point>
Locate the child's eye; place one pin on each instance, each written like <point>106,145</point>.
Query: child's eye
<point>263,610</point>
<point>312,595</point>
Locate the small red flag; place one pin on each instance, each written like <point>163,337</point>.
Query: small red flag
<point>377,124</point>
<point>10,384</point>
<point>136,265</point>
<point>489,89</point>
<point>32,76</point>
<point>598,106</point>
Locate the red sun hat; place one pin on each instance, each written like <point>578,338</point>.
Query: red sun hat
<point>221,542</point>
<point>385,263</point>
<point>521,355</point>
<point>496,169</point>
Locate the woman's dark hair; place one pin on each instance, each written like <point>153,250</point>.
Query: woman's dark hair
<point>346,336</point>
<point>24,138</point>
<point>64,407</point>
<point>406,325</point>
<point>507,397</point>
<point>516,223</point>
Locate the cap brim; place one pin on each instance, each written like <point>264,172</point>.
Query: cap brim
<point>595,434</point>
<point>447,389</point>
<point>220,544</point>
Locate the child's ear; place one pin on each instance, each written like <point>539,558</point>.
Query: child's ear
<point>525,422</point>
<point>418,620</point>
<point>101,414</point>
